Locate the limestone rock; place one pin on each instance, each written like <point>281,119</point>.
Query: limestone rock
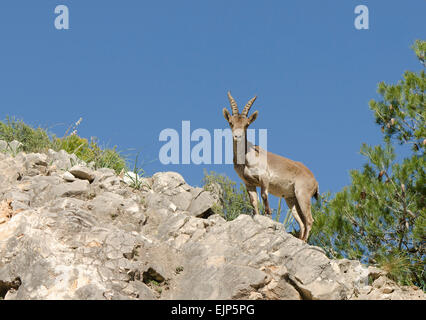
<point>86,234</point>
<point>12,147</point>
<point>68,176</point>
<point>76,188</point>
<point>202,202</point>
<point>83,173</point>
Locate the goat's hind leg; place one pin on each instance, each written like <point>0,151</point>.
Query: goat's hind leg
<point>304,202</point>
<point>292,205</point>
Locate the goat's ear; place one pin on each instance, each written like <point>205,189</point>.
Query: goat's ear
<point>253,117</point>
<point>226,114</point>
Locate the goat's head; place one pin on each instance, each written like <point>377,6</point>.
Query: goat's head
<point>239,122</point>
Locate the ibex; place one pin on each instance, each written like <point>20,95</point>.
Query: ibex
<point>274,174</point>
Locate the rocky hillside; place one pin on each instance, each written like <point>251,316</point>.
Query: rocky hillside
<point>70,232</point>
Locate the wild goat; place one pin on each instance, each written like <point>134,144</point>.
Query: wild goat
<point>280,176</point>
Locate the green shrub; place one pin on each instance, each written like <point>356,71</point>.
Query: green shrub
<point>380,218</point>
<point>39,140</point>
<point>33,140</point>
<point>91,152</point>
<point>233,200</point>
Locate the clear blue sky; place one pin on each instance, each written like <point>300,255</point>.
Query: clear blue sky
<point>133,68</point>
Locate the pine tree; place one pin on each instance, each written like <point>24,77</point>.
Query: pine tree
<point>380,218</point>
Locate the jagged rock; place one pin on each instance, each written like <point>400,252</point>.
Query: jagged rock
<point>15,195</point>
<point>34,159</point>
<point>202,202</point>
<point>83,173</point>
<point>62,160</point>
<point>169,183</point>
<point>375,273</point>
<point>15,146</point>
<point>169,190</point>
<point>384,288</point>
<point>76,188</point>
<point>62,237</point>
<point>12,147</point>
<point>68,176</point>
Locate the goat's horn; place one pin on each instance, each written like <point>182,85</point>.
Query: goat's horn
<point>233,104</point>
<point>247,107</point>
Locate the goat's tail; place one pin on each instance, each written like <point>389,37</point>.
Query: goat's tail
<point>317,194</point>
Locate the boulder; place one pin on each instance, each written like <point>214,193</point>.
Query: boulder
<point>169,190</point>
<point>201,203</point>
<point>83,173</point>
<point>68,176</point>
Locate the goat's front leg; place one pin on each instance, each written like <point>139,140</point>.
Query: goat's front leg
<point>253,198</point>
<point>264,194</point>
